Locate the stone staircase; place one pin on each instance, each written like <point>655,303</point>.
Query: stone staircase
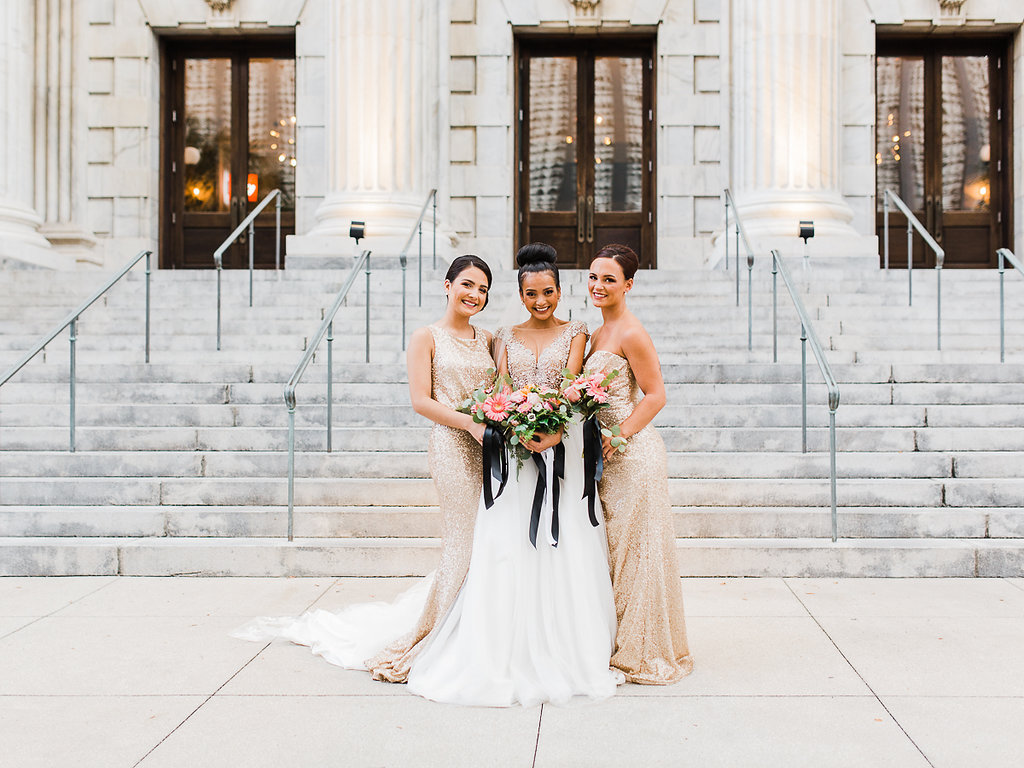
<point>181,464</point>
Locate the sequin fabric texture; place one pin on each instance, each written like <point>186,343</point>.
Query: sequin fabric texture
<point>650,645</point>
<point>458,367</point>
<point>544,371</point>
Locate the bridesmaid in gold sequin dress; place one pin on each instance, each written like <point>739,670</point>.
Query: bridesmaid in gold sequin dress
<point>650,645</point>
<point>447,361</point>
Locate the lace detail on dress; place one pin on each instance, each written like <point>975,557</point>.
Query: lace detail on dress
<point>546,370</point>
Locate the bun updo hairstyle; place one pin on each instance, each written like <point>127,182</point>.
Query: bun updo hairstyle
<point>537,257</point>
<point>623,256</point>
<point>462,263</point>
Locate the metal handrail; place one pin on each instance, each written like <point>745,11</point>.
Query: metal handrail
<point>807,335</point>
<point>1005,254</point>
<point>72,321</point>
<point>249,221</point>
<point>326,328</point>
<point>741,232</point>
<point>940,254</point>
<point>403,256</point>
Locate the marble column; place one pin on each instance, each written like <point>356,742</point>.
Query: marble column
<point>786,90</point>
<point>60,127</point>
<point>20,240</point>
<point>381,117</point>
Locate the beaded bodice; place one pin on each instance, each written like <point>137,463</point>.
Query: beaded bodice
<point>544,370</point>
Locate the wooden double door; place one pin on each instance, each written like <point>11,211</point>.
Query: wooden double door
<point>585,146</point>
<point>229,139</point>
<point>942,144</point>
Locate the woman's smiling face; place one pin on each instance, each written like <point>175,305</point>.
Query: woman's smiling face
<point>467,294</point>
<point>540,294</point>
<point>607,283</point>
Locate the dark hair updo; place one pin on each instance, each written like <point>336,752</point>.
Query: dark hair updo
<point>537,257</point>
<point>461,263</point>
<point>623,256</point>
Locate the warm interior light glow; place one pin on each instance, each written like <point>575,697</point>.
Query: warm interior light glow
<point>598,119</point>
<point>597,160</point>
<point>568,139</point>
<point>280,158</point>
<point>196,191</point>
<point>292,118</point>
<point>252,187</point>
<point>607,140</point>
<point>895,139</point>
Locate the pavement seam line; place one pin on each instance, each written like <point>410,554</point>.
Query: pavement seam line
<point>857,672</point>
<point>238,671</point>
<point>536,744</point>
<point>201,705</point>
<point>1014,584</point>
<point>58,610</point>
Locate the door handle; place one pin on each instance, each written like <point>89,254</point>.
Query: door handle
<point>580,219</point>
<point>590,218</point>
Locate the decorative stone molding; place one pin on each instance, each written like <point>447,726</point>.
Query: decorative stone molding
<point>585,12</point>
<point>219,5</point>
<point>951,7</point>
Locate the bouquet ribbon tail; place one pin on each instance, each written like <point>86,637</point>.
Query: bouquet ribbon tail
<point>495,464</point>
<point>593,464</point>
<point>556,458</point>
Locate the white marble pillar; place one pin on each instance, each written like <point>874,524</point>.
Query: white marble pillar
<point>380,117</point>
<point>786,91</point>
<point>61,128</point>
<point>20,240</point>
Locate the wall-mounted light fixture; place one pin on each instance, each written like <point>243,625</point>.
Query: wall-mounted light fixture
<point>806,232</point>
<point>357,229</point>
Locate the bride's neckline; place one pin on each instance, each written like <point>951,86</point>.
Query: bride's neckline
<point>538,355</point>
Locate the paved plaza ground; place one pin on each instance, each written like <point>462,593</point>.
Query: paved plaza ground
<point>114,671</point>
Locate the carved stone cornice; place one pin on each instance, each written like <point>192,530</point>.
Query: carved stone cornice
<point>219,5</point>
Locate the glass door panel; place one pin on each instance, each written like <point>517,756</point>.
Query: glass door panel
<point>273,152</point>
<point>206,156</point>
<point>553,134</point>
<point>618,134</point>
<point>966,148</point>
<point>900,130</point>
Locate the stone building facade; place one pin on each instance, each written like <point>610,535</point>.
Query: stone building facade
<point>778,100</point>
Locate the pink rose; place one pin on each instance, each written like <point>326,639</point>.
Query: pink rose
<point>572,394</point>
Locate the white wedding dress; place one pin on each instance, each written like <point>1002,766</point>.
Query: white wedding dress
<point>530,624</point>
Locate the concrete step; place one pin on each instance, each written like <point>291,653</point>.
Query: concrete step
<point>795,557</point>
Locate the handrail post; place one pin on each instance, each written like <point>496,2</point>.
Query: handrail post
<point>803,382</point>
<point>252,237</point>
<point>277,235</point>
<point>420,268</point>
<point>419,228</point>
<point>148,254</point>
<point>832,450</point>
<point>737,259</point>
<point>219,270</point>
<point>910,263</point>
<point>750,302</point>
<point>73,337</point>
<point>330,383</point>
<point>291,470</point>
<point>368,307</point>
<point>885,225</point>
<point>727,232</point>
<point>434,229</point>
<point>1002,310</point>
<point>775,307</point>
<point>403,301</point>
<point>938,306</point>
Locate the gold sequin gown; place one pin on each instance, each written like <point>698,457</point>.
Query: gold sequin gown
<point>459,366</point>
<point>650,645</point>
<point>376,636</point>
<point>530,624</point>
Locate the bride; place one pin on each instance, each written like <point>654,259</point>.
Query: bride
<point>531,622</point>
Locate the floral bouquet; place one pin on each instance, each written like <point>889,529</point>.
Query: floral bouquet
<point>589,395</point>
<point>519,414</point>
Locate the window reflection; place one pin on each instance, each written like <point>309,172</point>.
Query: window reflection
<point>965,134</point>
<point>618,134</point>
<point>899,131</point>
<point>553,140</point>
<point>207,154</point>
<point>273,150</point>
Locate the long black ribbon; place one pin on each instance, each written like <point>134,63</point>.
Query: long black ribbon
<point>558,469</point>
<point>495,464</point>
<point>593,464</point>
